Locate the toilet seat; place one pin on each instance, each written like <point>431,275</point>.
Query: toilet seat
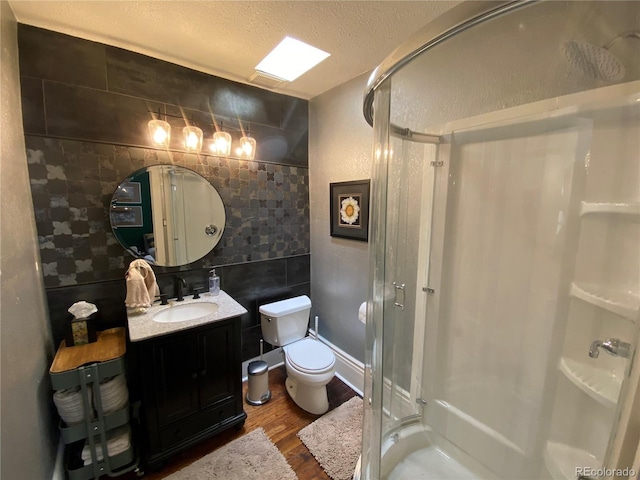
<point>310,356</point>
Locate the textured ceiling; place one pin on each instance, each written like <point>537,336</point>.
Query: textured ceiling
<point>228,39</point>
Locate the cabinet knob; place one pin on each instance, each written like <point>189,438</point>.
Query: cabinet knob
<point>194,375</point>
<point>203,372</point>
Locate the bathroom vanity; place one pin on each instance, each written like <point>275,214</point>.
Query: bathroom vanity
<point>190,372</point>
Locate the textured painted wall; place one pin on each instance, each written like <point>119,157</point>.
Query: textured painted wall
<point>28,441</point>
<point>340,146</point>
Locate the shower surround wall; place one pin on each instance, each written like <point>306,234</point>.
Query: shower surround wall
<point>86,107</point>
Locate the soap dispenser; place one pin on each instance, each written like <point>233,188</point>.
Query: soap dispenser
<point>214,283</point>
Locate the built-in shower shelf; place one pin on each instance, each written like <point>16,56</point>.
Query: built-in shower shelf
<point>632,208</point>
<point>624,304</point>
<point>600,384</point>
<point>562,460</point>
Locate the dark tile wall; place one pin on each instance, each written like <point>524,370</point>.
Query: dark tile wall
<point>100,93</point>
<point>252,284</point>
<point>267,206</point>
<point>86,106</point>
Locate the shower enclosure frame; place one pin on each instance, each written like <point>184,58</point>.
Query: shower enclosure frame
<point>377,99</point>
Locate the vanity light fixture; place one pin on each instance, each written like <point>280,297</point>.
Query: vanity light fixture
<point>247,148</point>
<point>160,132</point>
<point>221,144</point>
<point>192,138</point>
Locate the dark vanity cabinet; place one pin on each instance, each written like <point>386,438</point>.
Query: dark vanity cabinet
<point>191,387</point>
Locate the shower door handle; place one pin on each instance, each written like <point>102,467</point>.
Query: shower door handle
<point>399,291</point>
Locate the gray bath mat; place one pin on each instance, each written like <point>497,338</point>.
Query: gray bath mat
<point>250,457</point>
<point>335,439</point>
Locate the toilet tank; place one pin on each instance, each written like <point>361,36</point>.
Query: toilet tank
<point>285,321</point>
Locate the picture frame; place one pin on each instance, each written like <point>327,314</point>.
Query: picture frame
<point>126,216</point>
<point>349,209</point>
<point>128,192</point>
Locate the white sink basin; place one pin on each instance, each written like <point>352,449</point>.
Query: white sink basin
<point>182,313</point>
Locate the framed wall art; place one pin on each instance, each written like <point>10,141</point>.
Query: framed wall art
<point>126,216</point>
<point>127,192</point>
<point>349,209</point>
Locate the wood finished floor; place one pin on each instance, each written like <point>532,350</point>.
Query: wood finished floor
<point>281,420</point>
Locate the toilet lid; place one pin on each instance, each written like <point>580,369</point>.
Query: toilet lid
<point>310,355</point>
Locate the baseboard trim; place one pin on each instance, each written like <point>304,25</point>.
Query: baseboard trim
<point>58,467</point>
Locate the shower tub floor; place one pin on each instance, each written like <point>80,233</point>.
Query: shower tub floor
<point>419,453</point>
<point>433,464</point>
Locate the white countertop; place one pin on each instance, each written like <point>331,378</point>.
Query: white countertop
<point>142,326</point>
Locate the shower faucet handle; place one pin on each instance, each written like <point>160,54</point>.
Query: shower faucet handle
<point>613,346</point>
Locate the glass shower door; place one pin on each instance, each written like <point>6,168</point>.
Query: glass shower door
<point>488,241</point>
<point>514,380</point>
<point>508,248</point>
<point>518,361</point>
<point>407,226</point>
<point>401,286</point>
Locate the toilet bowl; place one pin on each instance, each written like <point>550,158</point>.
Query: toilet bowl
<point>310,367</point>
<point>309,363</point>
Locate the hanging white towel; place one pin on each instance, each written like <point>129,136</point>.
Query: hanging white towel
<point>142,288</point>
<point>137,293</point>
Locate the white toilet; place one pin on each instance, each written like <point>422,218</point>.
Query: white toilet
<point>310,364</point>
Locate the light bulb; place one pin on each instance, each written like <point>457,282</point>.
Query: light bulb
<point>192,141</point>
<point>192,138</point>
<point>160,136</point>
<point>160,133</point>
<point>221,143</point>
<point>247,148</point>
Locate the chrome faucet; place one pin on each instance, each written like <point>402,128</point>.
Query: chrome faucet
<point>613,346</point>
<point>180,283</point>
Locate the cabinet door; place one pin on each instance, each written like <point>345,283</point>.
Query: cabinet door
<point>220,374</point>
<point>176,378</point>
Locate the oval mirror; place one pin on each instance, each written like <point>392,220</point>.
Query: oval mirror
<point>168,215</point>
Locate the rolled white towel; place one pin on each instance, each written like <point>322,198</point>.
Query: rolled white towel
<point>70,405</point>
<point>118,441</point>
<point>114,394</point>
<point>362,313</point>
